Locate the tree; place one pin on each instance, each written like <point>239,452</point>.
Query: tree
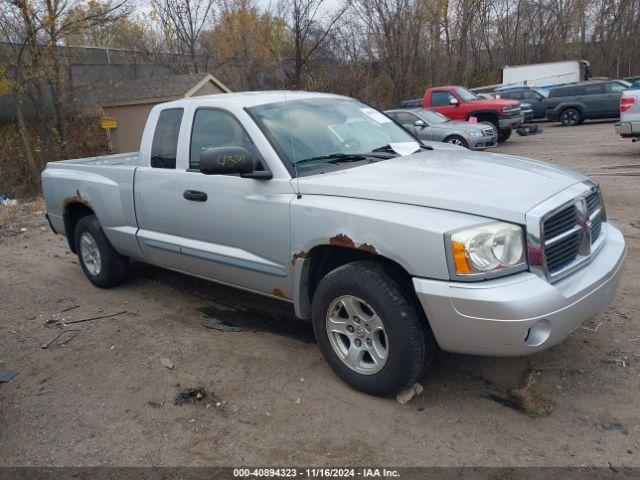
<point>242,39</point>
<point>183,22</point>
<point>306,33</point>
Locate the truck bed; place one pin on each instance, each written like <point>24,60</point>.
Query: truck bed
<point>105,185</point>
<point>118,159</point>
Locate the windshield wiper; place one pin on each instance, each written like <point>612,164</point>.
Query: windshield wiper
<point>389,148</point>
<point>335,158</point>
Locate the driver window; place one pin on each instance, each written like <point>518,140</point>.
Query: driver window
<point>215,128</point>
<point>441,98</point>
<point>405,118</point>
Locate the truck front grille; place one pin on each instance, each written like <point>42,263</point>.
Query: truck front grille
<point>511,111</point>
<point>570,234</point>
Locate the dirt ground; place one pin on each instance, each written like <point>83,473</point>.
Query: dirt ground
<point>107,397</point>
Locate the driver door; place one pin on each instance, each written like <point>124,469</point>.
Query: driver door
<point>408,120</point>
<point>234,230</point>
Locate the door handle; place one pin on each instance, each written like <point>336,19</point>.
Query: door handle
<point>195,196</point>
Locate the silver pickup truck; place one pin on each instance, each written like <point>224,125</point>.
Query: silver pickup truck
<point>629,124</point>
<point>390,247</point>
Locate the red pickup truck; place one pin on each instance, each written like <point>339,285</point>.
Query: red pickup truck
<point>458,103</point>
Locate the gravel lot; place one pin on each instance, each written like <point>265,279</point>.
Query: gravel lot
<point>107,399</point>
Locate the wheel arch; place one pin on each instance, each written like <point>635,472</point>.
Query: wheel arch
<point>73,212</point>
<point>493,114</point>
<point>310,267</point>
<point>565,106</point>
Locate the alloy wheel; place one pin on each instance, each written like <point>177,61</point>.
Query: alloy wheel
<point>356,334</point>
<point>90,254</point>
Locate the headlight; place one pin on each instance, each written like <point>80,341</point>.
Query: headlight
<point>474,133</point>
<point>486,250</point>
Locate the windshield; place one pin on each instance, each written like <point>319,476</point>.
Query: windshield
<point>432,117</point>
<point>544,93</point>
<point>465,94</point>
<point>301,130</point>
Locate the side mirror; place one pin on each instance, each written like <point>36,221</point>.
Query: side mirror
<point>453,101</point>
<point>419,124</point>
<point>226,161</point>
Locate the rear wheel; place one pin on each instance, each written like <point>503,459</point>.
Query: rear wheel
<point>102,265</point>
<point>369,331</point>
<point>570,117</point>
<point>457,140</point>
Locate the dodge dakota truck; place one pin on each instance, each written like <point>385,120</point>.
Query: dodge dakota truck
<point>389,247</point>
<point>458,103</point>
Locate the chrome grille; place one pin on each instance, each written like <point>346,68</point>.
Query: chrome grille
<point>570,234</point>
<point>488,131</point>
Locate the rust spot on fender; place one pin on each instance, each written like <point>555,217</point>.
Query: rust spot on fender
<point>279,293</point>
<point>341,240</point>
<point>296,256</point>
<point>368,248</point>
<point>77,198</point>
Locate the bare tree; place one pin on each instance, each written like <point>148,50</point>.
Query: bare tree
<point>309,23</point>
<point>183,22</point>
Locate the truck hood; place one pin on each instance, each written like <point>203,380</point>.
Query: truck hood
<point>492,104</point>
<point>491,185</point>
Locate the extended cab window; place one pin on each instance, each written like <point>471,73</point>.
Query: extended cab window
<point>440,98</point>
<point>165,139</point>
<point>215,128</point>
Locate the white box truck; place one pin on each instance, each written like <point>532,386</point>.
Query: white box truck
<point>546,74</point>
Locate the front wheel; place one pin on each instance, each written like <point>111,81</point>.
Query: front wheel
<point>504,134</point>
<point>102,265</point>
<point>368,329</point>
<point>457,140</point>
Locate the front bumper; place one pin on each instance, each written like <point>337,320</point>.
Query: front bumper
<point>628,129</point>
<point>522,313</point>
<point>510,122</point>
<point>480,143</point>
<point>528,115</point>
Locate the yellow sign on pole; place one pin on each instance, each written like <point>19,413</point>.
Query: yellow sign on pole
<point>108,122</point>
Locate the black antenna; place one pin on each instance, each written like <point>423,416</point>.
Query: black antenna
<point>286,108</point>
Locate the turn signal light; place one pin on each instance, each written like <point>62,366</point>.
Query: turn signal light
<point>460,260</point>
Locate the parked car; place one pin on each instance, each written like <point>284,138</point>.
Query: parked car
<point>572,104</point>
<point>413,103</point>
<point>533,96</point>
<point>629,125</point>
<point>527,111</point>
<point>390,248</point>
<point>458,103</point>
<point>525,108</point>
<point>429,125</point>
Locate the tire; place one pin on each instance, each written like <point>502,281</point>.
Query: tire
<point>102,265</point>
<point>388,321</point>
<point>570,117</point>
<point>504,134</point>
<point>456,140</point>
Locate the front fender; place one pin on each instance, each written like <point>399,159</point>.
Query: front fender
<point>411,236</point>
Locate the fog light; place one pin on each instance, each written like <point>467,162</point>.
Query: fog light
<point>538,333</point>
